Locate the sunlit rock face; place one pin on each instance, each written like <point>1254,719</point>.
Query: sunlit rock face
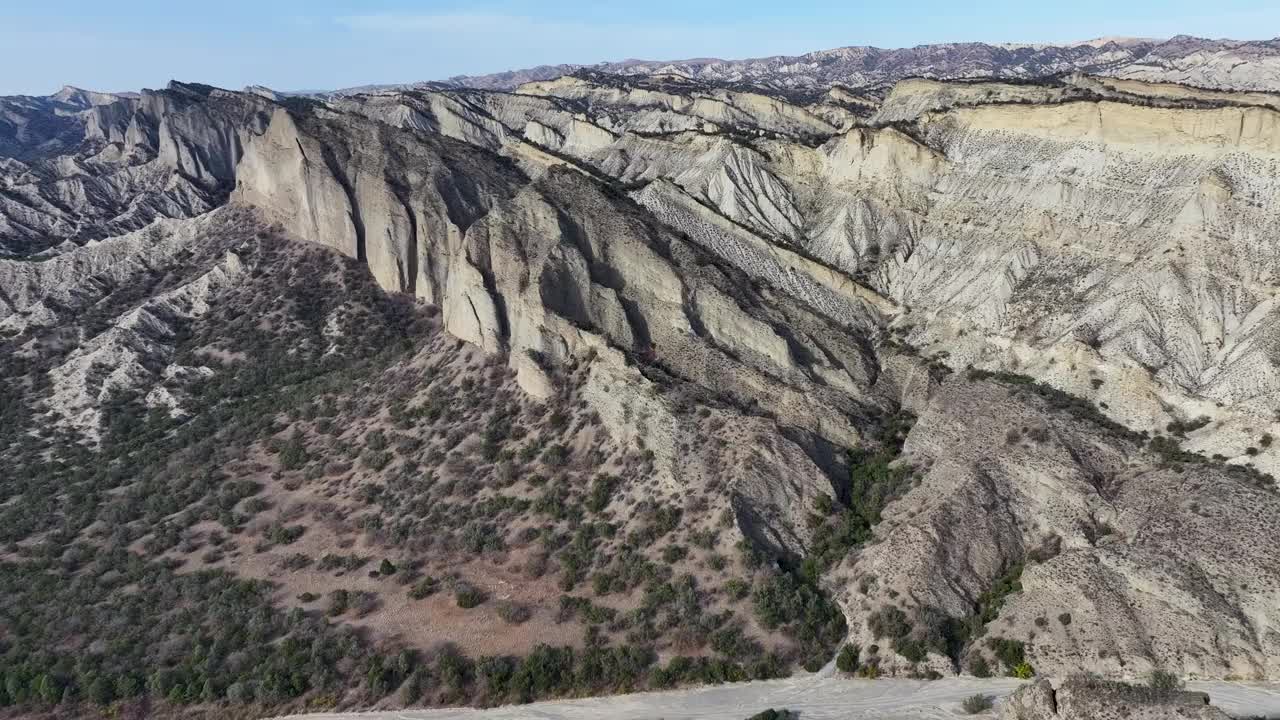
<point>755,283</point>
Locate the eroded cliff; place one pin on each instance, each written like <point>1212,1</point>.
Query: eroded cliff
<point>948,360</point>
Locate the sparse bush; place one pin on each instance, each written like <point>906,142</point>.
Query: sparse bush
<point>555,455</point>
<point>513,612</point>
<point>911,649</point>
<point>674,553</point>
<point>281,534</point>
<point>979,703</point>
<point>889,622</point>
<point>424,588</point>
<point>978,666</point>
<point>468,596</point>
<point>705,539</point>
<point>376,460</point>
<point>847,660</point>
<point>1011,653</point>
<point>602,488</point>
<point>339,603</point>
<point>365,602</point>
<point>1163,680</point>
<point>297,561</point>
<point>293,453</point>
<point>736,588</point>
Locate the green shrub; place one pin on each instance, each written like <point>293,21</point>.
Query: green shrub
<point>785,601</point>
<point>468,596</point>
<point>296,561</point>
<point>1010,653</point>
<point>736,588</point>
<point>281,534</point>
<point>556,455</point>
<point>376,460</point>
<point>975,704</point>
<point>293,453</point>
<point>1163,680</point>
<point>513,612</point>
<point>601,493</point>
<point>991,601</point>
<point>911,649</point>
<point>889,622</point>
<point>847,660</point>
<point>602,583</point>
<point>978,666</point>
<point>339,603</point>
<point>365,602</point>
<point>424,588</point>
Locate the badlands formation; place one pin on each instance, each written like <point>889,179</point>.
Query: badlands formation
<point>1039,319</point>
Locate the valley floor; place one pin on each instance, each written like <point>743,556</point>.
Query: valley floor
<point>815,697</point>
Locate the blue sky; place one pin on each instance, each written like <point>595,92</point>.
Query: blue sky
<point>321,44</point>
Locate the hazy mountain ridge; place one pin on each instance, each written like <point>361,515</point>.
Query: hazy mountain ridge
<point>1226,64</point>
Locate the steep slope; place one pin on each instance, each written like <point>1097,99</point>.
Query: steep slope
<point>626,377</point>
<point>1026,492</point>
<point>555,270</point>
<point>197,379</point>
<point>121,162</point>
<point>955,149</point>
<point>1058,269</point>
<point>1082,203</point>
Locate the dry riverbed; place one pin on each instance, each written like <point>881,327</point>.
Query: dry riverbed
<point>815,697</point>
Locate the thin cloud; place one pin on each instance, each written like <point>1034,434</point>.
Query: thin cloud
<point>451,23</point>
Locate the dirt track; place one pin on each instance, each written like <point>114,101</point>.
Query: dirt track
<point>815,697</point>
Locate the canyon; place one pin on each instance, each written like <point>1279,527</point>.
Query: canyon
<point>960,376</point>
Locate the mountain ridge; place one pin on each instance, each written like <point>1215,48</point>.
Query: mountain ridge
<point>646,379</point>
<point>859,66</point>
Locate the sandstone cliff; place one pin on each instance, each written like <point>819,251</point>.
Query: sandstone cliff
<point>754,288</point>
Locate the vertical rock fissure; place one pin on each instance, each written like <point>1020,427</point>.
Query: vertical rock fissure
<point>357,221</point>
<point>499,305</point>
<point>409,281</point>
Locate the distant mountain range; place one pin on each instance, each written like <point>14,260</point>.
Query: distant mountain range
<point>1221,64</point>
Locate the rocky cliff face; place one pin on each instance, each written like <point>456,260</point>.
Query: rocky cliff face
<point>1078,207</point>
<point>1068,286</point>
<point>118,163</point>
<point>1090,698</point>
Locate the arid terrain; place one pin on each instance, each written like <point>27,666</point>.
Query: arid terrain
<point>816,698</point>
<point>632,379</point>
